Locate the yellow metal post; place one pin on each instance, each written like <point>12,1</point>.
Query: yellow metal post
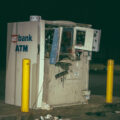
<point>25,85</point>
<point>109,89</point>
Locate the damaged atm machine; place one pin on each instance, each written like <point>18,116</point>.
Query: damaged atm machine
<point>60,52</point>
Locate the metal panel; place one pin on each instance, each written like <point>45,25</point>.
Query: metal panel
<point>88,38</point>
<point>24,45</point>
<point>54,56</point>
<point>67,89</point>
<point>11,66</point>
<point>96,40</point>
<point>54,51</point>
<point>26,29</point>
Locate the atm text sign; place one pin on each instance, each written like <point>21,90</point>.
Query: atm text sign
<point>19,38</point>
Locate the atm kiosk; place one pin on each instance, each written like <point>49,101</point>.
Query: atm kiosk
<point>60,52</point>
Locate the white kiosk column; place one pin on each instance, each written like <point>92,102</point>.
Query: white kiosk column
<point>41,63</point>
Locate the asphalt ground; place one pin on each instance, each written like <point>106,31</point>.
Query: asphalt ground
<point>96,109</point>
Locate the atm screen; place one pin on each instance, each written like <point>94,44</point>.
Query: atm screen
<point>80,38</point>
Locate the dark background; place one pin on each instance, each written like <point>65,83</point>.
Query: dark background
<point>102,15</point>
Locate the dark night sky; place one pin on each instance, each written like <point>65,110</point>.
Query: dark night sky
<point>102,15</point>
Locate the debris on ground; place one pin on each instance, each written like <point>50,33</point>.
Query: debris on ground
<point>118,112</point>
<point>114,108</point>
<point>102,114</point>
<point>50,117</point>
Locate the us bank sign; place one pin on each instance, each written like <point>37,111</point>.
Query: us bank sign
<point>19,38</point>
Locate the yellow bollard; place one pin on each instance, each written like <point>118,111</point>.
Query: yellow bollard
<point>25,85</point>
<point>109,89</point>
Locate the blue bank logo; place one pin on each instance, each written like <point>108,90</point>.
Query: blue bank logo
<point>25,38</point>
<point>16,38</point>
<point>19,38</point>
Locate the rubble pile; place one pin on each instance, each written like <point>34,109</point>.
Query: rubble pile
<point>50,117</point>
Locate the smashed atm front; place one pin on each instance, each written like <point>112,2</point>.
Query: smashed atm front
<point>59,52</point>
